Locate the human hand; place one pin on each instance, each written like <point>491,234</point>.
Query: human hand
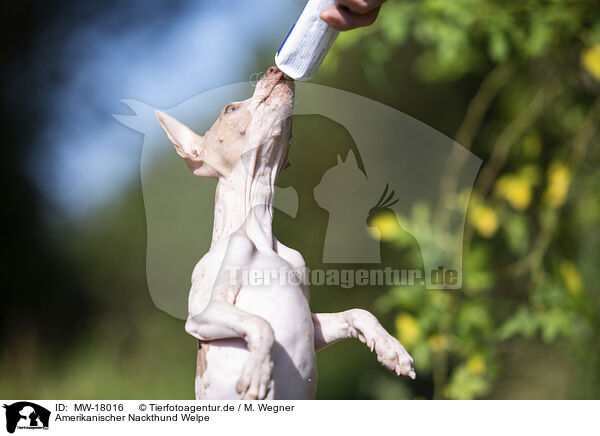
<point>350,14</point>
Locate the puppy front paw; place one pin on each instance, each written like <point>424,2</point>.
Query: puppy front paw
<point>392,354</point>
<point>255,381</point>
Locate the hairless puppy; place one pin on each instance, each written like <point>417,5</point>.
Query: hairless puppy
<point>258,341</point>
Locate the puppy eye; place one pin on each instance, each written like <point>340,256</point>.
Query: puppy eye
<point>230,109</point>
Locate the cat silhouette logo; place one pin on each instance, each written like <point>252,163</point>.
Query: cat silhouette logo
<point>359,170</point>
<point>26,415</point>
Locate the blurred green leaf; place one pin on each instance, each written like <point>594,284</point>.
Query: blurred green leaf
<point>523,322</point>
<point>464,385</point>
<point>554,323</point>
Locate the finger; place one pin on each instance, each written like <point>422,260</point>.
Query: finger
<point>342,19</point>
<point>262,391</point>
<point>252,393</point>
<point>240,386</point>
<point>361,6</point>
<point>397,370</point>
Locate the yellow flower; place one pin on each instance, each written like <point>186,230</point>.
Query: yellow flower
<point>476,364</point>
<point>485,220</point>
<point>515,189</point>
<point>571,277</point>
<point>438,342</point>
<point>408,331</point>
<point>384,226</point>
<point>590,59</point>
<point>559,178</point>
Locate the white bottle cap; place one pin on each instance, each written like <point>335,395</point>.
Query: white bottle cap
<point>307,42</point>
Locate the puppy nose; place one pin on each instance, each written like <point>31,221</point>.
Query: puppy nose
<point>272,70</point>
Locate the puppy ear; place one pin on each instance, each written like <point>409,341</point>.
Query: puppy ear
<point>188,144</point>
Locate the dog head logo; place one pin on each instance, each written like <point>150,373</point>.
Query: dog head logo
<point>339,184</point>
<point>26,415</point>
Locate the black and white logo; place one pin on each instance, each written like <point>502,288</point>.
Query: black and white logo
<point>26,415</point>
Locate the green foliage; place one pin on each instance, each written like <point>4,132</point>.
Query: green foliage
<point>521,323</point>
<point>531,237</point>
<point>465,385</point>
<point>459,36</point>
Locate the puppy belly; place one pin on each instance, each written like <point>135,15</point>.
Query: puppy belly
<point>220,370</point>
<point>223,367</point>
<point>286,309</point>
<point>294,372</point>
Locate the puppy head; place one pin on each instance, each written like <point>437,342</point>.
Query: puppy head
<point>258,128</point>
